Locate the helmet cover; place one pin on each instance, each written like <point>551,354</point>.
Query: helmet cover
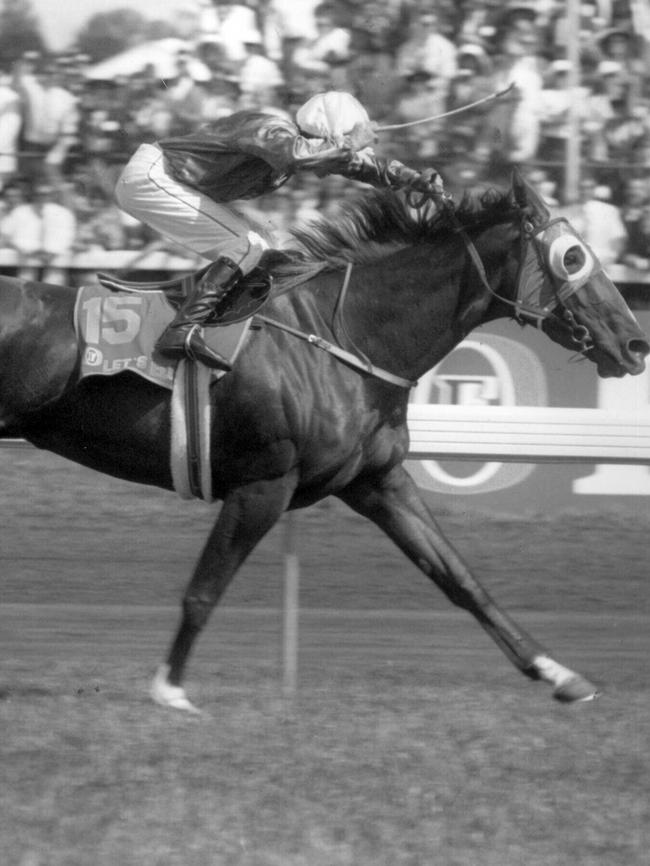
<point>331,114</point>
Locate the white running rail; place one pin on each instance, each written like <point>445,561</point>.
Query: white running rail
<point>528,434</point>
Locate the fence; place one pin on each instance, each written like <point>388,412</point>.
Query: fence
<point>528,434</point>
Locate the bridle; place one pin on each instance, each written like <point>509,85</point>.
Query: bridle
<point>543,282</point>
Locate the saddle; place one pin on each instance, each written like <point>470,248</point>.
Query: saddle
<point>242,301</point>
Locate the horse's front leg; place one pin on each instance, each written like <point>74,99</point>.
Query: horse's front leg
<point>395,505</point>
<point>247,514</point>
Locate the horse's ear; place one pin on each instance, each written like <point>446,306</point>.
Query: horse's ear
<point>528,199</point>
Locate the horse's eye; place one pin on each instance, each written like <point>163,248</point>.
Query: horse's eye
<point>574,259</point>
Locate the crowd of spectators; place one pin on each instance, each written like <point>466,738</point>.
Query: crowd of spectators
<point>66,132</point>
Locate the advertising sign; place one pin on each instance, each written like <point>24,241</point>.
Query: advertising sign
<point>504,364</point>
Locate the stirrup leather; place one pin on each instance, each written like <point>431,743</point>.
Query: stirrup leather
<point>189,351</point>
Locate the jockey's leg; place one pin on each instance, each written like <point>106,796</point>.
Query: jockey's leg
<point>213,230</point>
<point>183,337</point>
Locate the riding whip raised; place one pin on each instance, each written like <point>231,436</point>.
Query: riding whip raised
<point>489,98</point>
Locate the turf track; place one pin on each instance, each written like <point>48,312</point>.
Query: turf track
<point>411,740</point>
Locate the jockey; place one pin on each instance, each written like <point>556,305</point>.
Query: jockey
<point>181,187</point>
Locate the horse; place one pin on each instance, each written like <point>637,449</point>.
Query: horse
<point>368,301</point>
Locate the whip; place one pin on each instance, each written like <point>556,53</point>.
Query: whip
<point>467,107</point>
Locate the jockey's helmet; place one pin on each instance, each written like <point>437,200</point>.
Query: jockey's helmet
<point>331,115</point>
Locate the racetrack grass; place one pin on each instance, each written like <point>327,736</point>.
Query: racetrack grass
<point>447,758</point>
<point>384,771</point>
<point>70,535</point>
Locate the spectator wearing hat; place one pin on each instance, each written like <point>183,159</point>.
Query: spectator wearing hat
<point>599,112</point>
<point>325,57</point>
<point>477,26</point>
<point>524,17</point>
<point>618,130</point>
<point>230,23</point>
<point>514,121</point>
<point>300,77</point>
<point>50,119</point>
<point>376,29</point>
<point>512,13</point>
<point>292,20</point>
<point>212,53</point>
<point>557,103</point>
<point>426,49</point>
<point>622,46</point>
<point>288,26</point>
<point>419,99</point>
<point>183,94</point>
<point>593,18</point>
<point>473,56</point>
<point>260,78</point>
<point>475,68</point>
<point>463,135</point>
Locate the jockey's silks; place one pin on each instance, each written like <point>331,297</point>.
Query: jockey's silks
<point>250,153</point>
<point>247,154</point>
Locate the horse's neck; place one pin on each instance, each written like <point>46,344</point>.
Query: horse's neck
<point>411,309</point>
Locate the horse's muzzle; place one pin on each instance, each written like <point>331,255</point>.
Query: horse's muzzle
<point>636,351</point>
<point>631,361</point>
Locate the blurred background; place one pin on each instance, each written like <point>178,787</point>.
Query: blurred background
<point>82,86</point>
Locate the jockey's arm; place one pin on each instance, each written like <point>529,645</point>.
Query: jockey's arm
<point>325,157</point>
<point>280,143</point>
<point>321,155</point>
<point>367,167</point>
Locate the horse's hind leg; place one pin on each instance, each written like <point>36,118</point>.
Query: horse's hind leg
<point>395,505</point>
<point>247,514</point>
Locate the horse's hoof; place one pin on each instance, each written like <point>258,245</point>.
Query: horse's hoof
<point>167,695</point>
<point>575,690</point>
<point>179,702</point>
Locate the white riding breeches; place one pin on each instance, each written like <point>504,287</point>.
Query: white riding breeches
<point>183,214</point>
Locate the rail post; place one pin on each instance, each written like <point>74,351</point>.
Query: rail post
<point>290,608</point>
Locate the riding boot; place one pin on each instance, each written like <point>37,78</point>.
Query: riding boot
<point>183,336</point>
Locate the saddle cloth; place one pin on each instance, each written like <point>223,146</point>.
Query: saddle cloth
<point>117,332</point>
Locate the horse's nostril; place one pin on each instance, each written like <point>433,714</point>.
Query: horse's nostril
<point>639,347</point>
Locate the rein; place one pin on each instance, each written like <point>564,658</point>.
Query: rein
<point>359,360</point>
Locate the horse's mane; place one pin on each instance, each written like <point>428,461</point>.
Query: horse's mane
<point>368,228</point>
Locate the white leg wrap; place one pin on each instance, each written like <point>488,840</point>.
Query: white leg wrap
<point>167,695</point>
<point>568,686</point>
<point>552,672</point>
